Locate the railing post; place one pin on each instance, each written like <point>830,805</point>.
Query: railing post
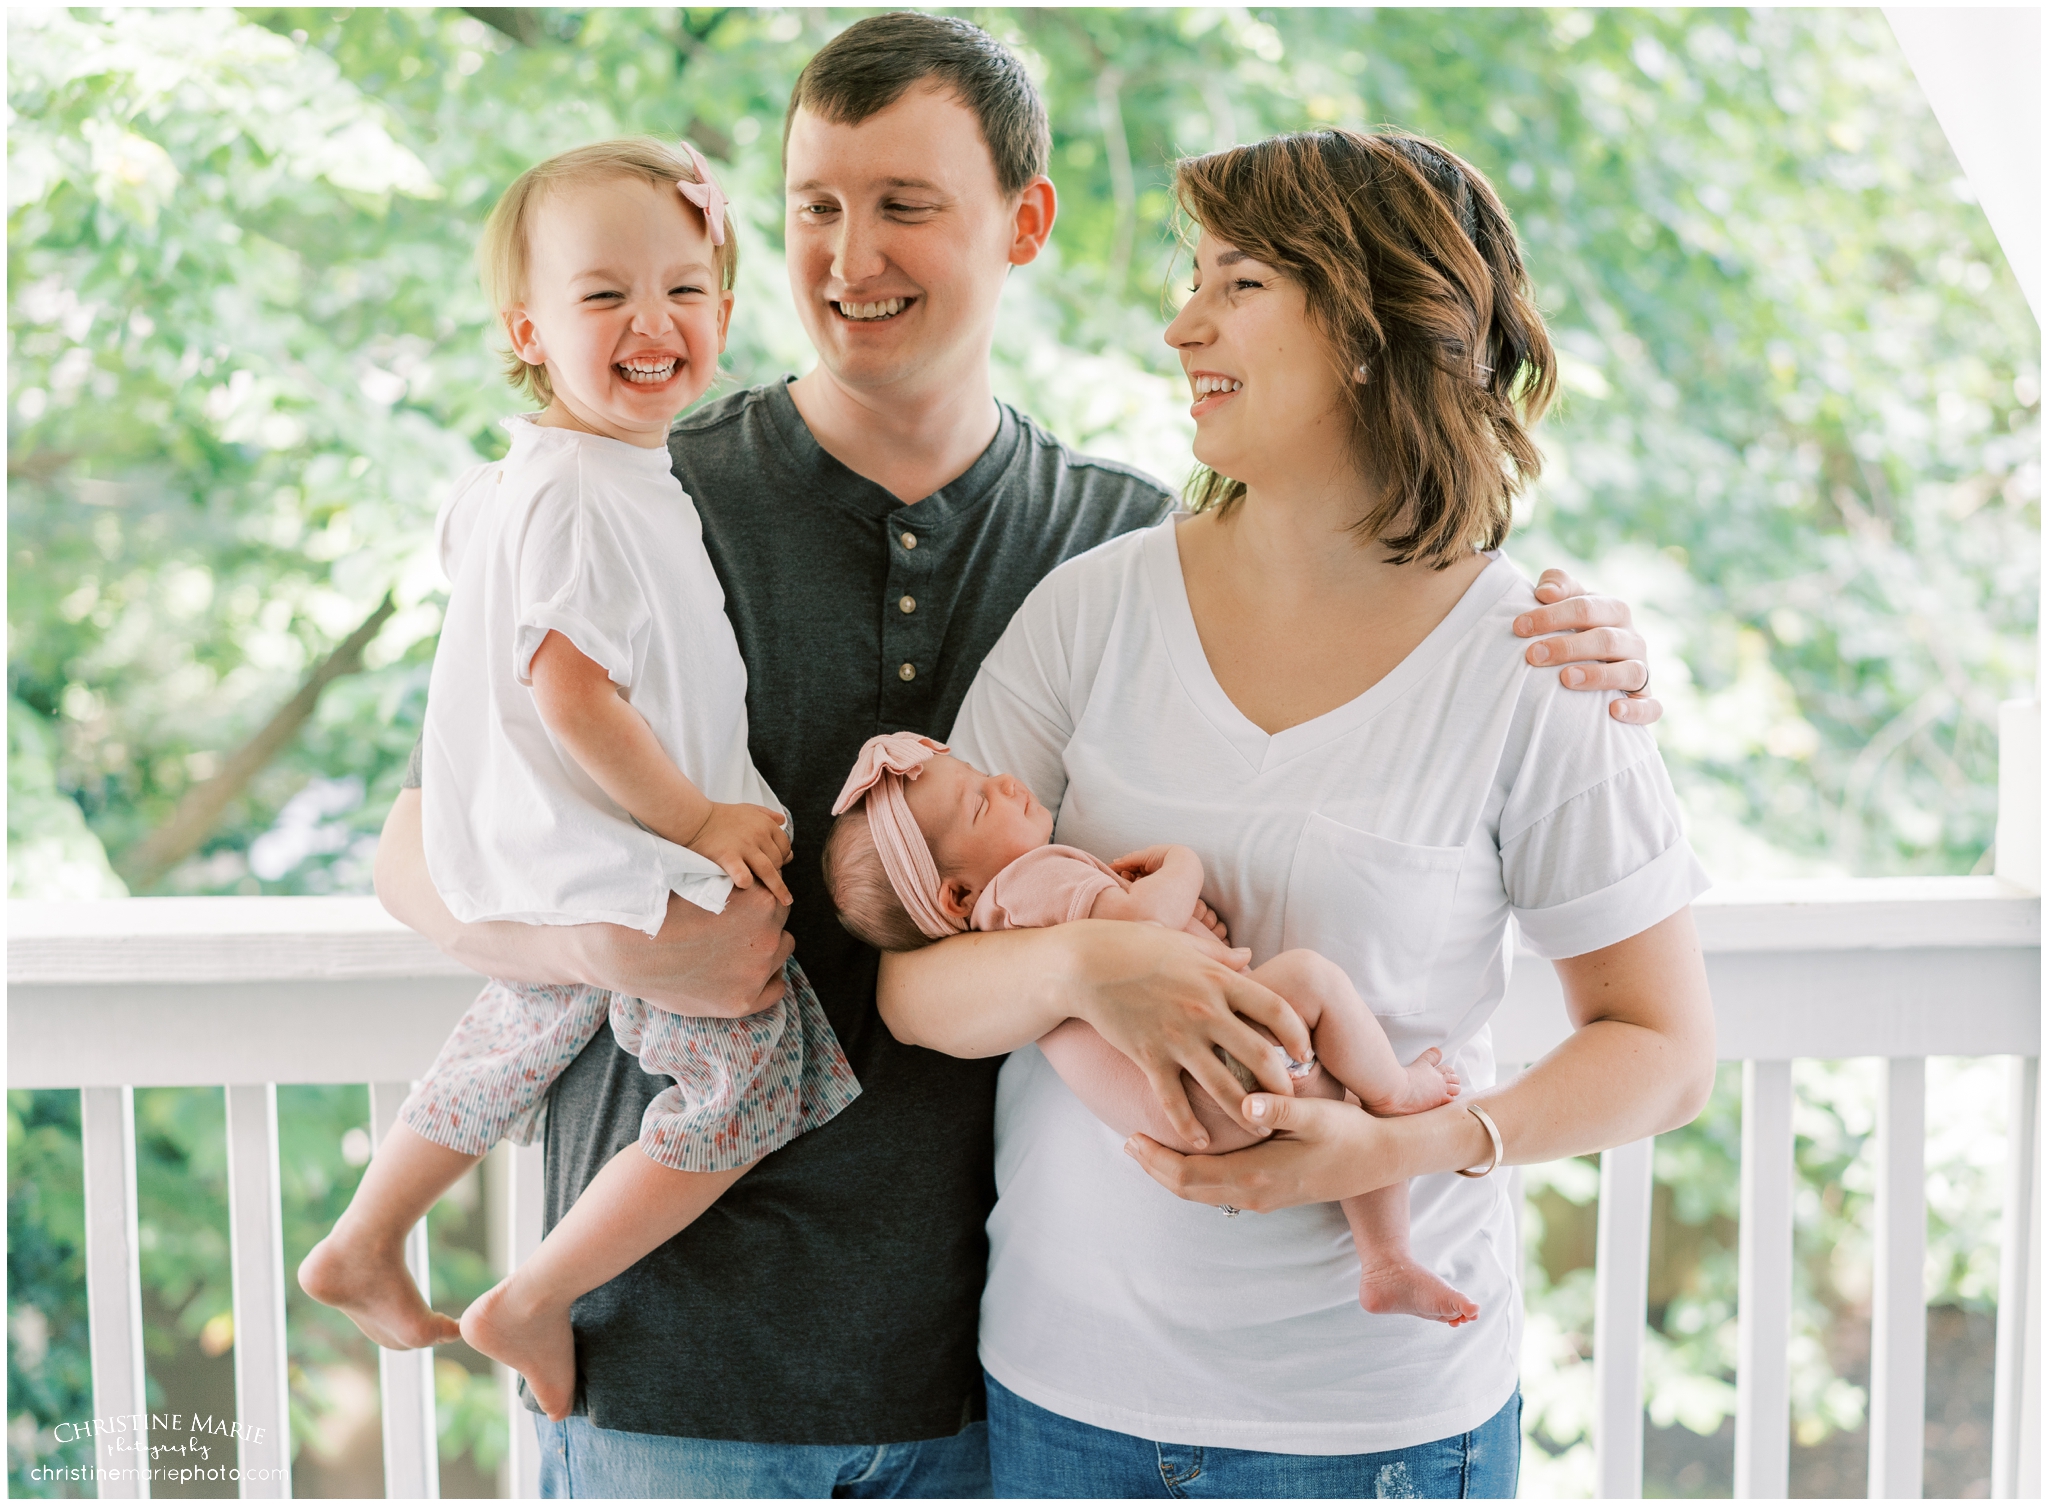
<point>256,1253</point>
<point>517,1190</point>
<point>2012,1407</point>
<point>412,1460</point>
<point>1898,1324</point>
<point>113,1292</point>
<point>1763,1304</point>
<point>1621,1303</point>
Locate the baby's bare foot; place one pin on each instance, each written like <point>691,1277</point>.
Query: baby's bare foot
<point>533,1339</point>
<point>1425,1084</point>
<point>1405,1287</point>
<point>371,1284</point>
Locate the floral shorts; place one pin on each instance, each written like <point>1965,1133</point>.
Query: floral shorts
<point>741,1088</point>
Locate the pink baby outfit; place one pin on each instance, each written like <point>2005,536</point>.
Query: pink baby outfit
<point>1050,886</point>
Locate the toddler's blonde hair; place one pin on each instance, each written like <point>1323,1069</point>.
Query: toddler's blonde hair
<point>502,254</point>
<point>867,902</point>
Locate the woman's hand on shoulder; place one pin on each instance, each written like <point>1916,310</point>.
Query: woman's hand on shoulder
<point>1599,643</point>
<point>1168,1000</point>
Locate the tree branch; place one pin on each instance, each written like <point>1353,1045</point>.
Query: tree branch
<point>201,806</point>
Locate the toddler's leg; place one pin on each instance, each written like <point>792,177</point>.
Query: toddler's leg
<point>360,1266</point>
<point>629,1210</point>
<point>1390,1280</point>
<point>488,1082</point>
<point>741,1088</point>
<point>1351,1043</point>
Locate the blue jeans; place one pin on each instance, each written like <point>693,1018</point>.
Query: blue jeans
<point>1041,1454</point>
<point>578,1460</point>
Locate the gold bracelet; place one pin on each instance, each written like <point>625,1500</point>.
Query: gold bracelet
<point>1493,1134</point>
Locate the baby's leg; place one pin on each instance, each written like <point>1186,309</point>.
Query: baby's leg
<point>487,1082</point>
<point>1112,1088</point>
<point>629,1210</point>
<point>1390,1279</point>
<point>1350,1042</point>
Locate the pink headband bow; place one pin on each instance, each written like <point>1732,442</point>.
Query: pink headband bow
<point>878,776</point>
<point>705,194</point>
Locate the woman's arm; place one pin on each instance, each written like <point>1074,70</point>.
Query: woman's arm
<point>1166,999</point>
<point>726,965</point>
<point>1639,1061</point>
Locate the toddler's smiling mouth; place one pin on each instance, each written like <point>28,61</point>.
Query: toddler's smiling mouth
<point>646,371</point>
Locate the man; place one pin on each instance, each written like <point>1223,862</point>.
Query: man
<point>874,525</point>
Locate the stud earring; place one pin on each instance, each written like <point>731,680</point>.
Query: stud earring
<point>1363,372</point>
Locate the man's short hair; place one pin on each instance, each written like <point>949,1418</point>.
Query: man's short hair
<point>875,61</point>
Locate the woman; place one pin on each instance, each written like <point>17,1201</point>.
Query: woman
<point>1309,681</point>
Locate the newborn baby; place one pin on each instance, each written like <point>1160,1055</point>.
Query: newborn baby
<point>926,845</point>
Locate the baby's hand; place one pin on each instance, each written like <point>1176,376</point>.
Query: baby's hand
<point>1205,916</point>
<point>1146,860</point>
<point>747,841</point>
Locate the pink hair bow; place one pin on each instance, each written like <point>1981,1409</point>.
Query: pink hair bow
<point>705,194</point>
<point>885,764</point>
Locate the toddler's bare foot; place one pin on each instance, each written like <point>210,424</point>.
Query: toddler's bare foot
<point>1405,1287</point>
<point>371,1284</point>
<point>534,1339</point>
<point>1425,1084</point>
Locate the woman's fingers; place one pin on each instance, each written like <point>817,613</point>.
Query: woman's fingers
<point>1173,1171</point>
<point>1637,710</point>
<point>1173,1098</point>
<point>1596,645</point>
<point>1625,675</point>
<point>1252,999</point>
<point>1322,1150</point>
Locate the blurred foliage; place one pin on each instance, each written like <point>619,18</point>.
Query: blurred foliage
<point>49,1371</point>
<point>246,348</point>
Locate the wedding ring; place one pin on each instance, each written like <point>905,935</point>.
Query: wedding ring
<point>1227,1211</point>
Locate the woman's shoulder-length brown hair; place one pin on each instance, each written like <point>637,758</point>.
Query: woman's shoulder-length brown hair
<point>1414,278</point>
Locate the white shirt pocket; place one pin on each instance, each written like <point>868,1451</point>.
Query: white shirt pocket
<point>1377,908</point>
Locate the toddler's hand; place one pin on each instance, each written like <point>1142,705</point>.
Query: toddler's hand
<point>1208,917</point>
<point>747,841</point>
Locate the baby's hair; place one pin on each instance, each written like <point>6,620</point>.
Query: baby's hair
<point>501,256</point>
<point>860,888</point>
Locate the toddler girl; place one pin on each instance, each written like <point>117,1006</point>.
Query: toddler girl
<point>585,758</point>
<point>926,845</point>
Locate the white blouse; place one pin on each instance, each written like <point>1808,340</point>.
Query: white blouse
<point>595,539</point>
<point>1405,835</point>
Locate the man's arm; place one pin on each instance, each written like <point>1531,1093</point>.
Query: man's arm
<point>724,965</point>
<point>1604,650</point>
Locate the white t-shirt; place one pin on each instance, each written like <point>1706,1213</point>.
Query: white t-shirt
<point>1398,835</point>
<point>594,539</point>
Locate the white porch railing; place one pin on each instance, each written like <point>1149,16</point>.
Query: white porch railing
<point>122,994</point>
